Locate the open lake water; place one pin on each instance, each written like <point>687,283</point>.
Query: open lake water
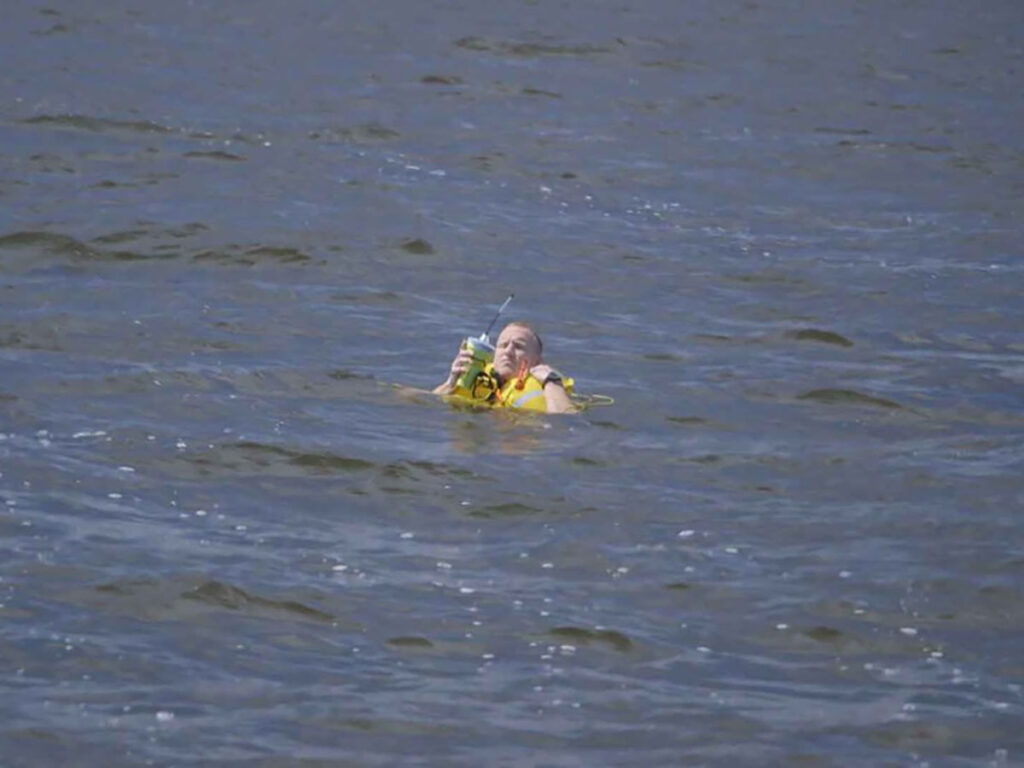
<point>784,237</point>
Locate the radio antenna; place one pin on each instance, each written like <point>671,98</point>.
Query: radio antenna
<point>487,333</point>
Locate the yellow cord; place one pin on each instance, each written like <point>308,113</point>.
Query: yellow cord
<point>592,401</point>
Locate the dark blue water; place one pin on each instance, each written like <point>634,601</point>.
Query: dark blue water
<point>785,240</point>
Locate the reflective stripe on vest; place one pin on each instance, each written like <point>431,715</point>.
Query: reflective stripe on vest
<point>524,399</point>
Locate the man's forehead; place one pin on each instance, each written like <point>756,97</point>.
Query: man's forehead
<point>517,332</point>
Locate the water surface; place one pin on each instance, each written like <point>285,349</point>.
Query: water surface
<point>784,240</point>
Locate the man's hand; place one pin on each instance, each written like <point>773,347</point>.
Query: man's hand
<point>541,371</point>
<point>460,365</point>
<point>554,392</point>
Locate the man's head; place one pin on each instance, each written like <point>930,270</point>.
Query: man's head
<point>518,345</point>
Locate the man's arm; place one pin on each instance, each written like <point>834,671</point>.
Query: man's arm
<point>554,392</point>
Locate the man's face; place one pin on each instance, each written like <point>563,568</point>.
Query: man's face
<point>516,345</point>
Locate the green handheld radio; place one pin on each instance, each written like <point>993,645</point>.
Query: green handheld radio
<point>483,352</point>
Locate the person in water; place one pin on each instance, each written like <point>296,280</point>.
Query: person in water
<point>520,372</point>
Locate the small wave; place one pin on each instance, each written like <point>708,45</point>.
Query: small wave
<point>824,337</point>
<point>541,92</point>
<point>369,297</point>
<point>223,595</point>
<point>412,641</point>
<point>441,80</point>
<point>252,458</point>
<point>528,50</point>
<point>216,154</point>
<point>96,124</point>
<point>50,242</point>
<point>847,397</point>
<point>25,248</point>
<point>22,250</point>
<point>664,357</point>
<point>581,636</point>
<point>42,339</point>
<point>360,134</point>
<point>417,246</point>
<point>511,509</point>
<point>177,597</point>
<point>687,421</point>
<point>122,236</point>
<point>249,257</point>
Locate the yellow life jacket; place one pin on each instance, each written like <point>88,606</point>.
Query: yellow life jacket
<point>525,393</point>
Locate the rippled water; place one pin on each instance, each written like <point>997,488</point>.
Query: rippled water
<point>786,241</point>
